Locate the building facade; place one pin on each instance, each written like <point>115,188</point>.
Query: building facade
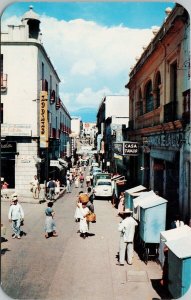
<point>35,124</point>
<point>112,122</point>
<point>159,91</point>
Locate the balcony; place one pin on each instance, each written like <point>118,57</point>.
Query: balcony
<point>170,112</point>
<point>58,103</point>
<point>3,83</point>
<point>149,119</point>
<point>52,96</point>
<point>44,85</point>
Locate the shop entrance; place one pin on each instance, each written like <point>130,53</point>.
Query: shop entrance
<point>159,176</point>
<point>8,171</point>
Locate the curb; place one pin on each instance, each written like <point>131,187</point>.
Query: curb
<point>27,199</point>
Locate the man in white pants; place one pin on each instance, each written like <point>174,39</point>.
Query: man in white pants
<point>127,231</point>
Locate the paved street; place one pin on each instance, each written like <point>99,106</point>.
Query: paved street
<point>68,267</point>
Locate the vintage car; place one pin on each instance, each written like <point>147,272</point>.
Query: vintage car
<point>103,188</point>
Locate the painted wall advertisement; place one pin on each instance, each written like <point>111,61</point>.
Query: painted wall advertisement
<point>43,119</point>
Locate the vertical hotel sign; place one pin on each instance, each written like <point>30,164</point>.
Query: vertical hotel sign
<point>43,119</point>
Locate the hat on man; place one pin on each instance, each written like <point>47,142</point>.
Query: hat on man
<point>14,197</point>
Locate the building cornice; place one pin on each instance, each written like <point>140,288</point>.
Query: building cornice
<point>32,43</point>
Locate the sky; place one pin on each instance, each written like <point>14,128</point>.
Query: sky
<point>92,45</point>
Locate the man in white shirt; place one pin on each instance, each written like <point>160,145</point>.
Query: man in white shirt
<point>35,187</point>
<point>16,215</point>
<point>127,231</point>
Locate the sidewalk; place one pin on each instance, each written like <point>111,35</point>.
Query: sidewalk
<point>29,197</point>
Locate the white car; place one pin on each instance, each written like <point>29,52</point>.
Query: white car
<point>103,188</point>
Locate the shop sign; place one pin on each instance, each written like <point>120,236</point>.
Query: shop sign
<point>54,163</point>
<point>172,140</point>
<point>126,148</point>
<point>8,147</point>
<point>131,148</point>
<point>15,130</point>
<point>118,148</point>
<point>43,119</point>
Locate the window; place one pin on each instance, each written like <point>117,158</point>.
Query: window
<point>42,71</point>
<point>173,82</point>
<point>1,64</point>
<point>140,104</point>
<point>158,84</point>
<point>56,92</point>
<point>50,82</point>
<point>1,120</point>
<point>149,97</point>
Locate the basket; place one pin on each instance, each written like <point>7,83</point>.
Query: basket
<point>84,198</point>
<point>91,217</point>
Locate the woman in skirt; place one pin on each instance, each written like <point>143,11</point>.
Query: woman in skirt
<point>83,222</point>
<point>50,225</point>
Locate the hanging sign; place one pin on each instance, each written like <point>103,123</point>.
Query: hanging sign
<point>126,148</point>
<point>130,148</point>
<point>43,119</point>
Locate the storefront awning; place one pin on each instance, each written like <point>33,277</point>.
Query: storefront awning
<point>63,162</point>
<point>167,155</point>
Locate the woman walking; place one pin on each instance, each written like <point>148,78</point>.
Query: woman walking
<point>50,225</point>
<point>83,222</point>
<point>76,182</point>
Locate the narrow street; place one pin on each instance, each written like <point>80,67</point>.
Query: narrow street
<point>68,267</point>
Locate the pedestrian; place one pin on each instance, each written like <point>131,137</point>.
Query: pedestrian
<point>121,203</point>
<point>83,222</point>
<point>4,190</point>
<point>88,180</point>
<point>16,216</point>
<point>77,214</point>
<point>76,181</point>
<point>51,188</point>
<point>50,225</point>
<point>68,185</point>
<point>177,222</point>
<point>81,180</point>
<point>90,194</point>
<point>35,187</point>
<point>127,231</point>
<point>57,188</point>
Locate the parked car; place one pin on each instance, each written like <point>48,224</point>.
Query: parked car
<point>103,188</point>
<point>99,175</point>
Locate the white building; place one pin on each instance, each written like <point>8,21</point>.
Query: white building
<point>75,126</point>
<point>117,107</point>
<point>34,122</point>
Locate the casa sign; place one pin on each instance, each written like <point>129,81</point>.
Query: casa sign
<point>126,148</point>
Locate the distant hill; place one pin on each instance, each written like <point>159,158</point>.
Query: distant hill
<point>87,114</point>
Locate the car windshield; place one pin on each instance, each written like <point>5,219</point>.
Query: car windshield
<point>104,183</point>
